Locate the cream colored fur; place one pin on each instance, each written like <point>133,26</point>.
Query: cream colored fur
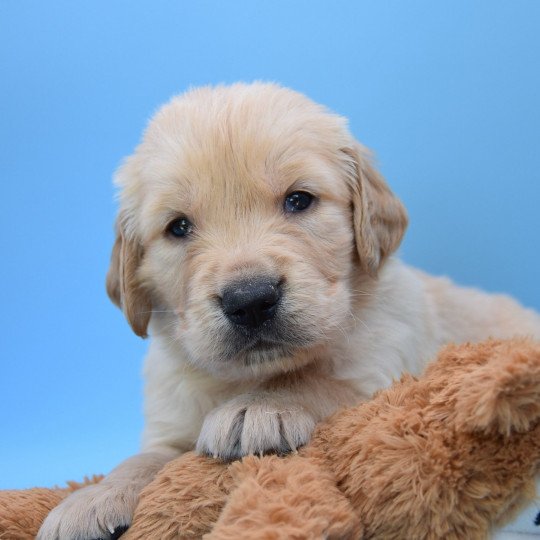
<point>352,318</point>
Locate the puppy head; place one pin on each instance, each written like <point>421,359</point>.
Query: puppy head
<point>245,213</point>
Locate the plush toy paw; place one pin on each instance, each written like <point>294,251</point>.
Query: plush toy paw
<point>99,512</point>
<point>254,424</point>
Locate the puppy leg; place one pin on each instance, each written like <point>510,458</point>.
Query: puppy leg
<point>279,418</point>
<point>104,511</point>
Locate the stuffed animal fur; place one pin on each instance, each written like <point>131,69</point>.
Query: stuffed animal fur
<point>450,455</point>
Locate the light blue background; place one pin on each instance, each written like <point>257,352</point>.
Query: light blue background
<point>446,93</point>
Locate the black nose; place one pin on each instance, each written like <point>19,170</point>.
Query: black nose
<point>251,302</point>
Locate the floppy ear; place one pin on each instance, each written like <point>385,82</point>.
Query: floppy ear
<point>123,286</point>
<point>380,218</point>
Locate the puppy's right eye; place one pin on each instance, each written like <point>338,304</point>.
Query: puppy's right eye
<point>179,228</point>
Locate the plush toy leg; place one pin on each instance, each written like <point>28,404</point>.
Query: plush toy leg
<point>283,498</point>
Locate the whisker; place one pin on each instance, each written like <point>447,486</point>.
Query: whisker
<point>344,332</point>
<point>361,293</point>
<point>364,325</point>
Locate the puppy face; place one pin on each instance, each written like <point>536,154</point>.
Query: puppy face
<point>245,213</point>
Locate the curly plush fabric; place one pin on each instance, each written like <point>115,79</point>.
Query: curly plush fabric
<point>449,455</point>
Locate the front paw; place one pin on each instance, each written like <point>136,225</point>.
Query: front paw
<point>100,512</point>
<point>254,425</point>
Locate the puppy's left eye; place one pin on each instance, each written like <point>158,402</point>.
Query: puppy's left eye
<point>179,227</point>
<point>297,201</point>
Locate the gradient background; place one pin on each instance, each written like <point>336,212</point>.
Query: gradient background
<point>446,93</point>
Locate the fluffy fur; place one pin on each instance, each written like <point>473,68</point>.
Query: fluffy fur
<point>449,455</point>
<point>351,318</point>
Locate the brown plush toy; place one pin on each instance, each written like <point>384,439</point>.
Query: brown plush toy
<point>449,455</point>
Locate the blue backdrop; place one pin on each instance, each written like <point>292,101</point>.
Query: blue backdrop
<point>446,93</point>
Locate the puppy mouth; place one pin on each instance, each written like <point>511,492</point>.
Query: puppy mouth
<point>260,348</point>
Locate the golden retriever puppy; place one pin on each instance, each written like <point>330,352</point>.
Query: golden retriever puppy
<point>254,245</point>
